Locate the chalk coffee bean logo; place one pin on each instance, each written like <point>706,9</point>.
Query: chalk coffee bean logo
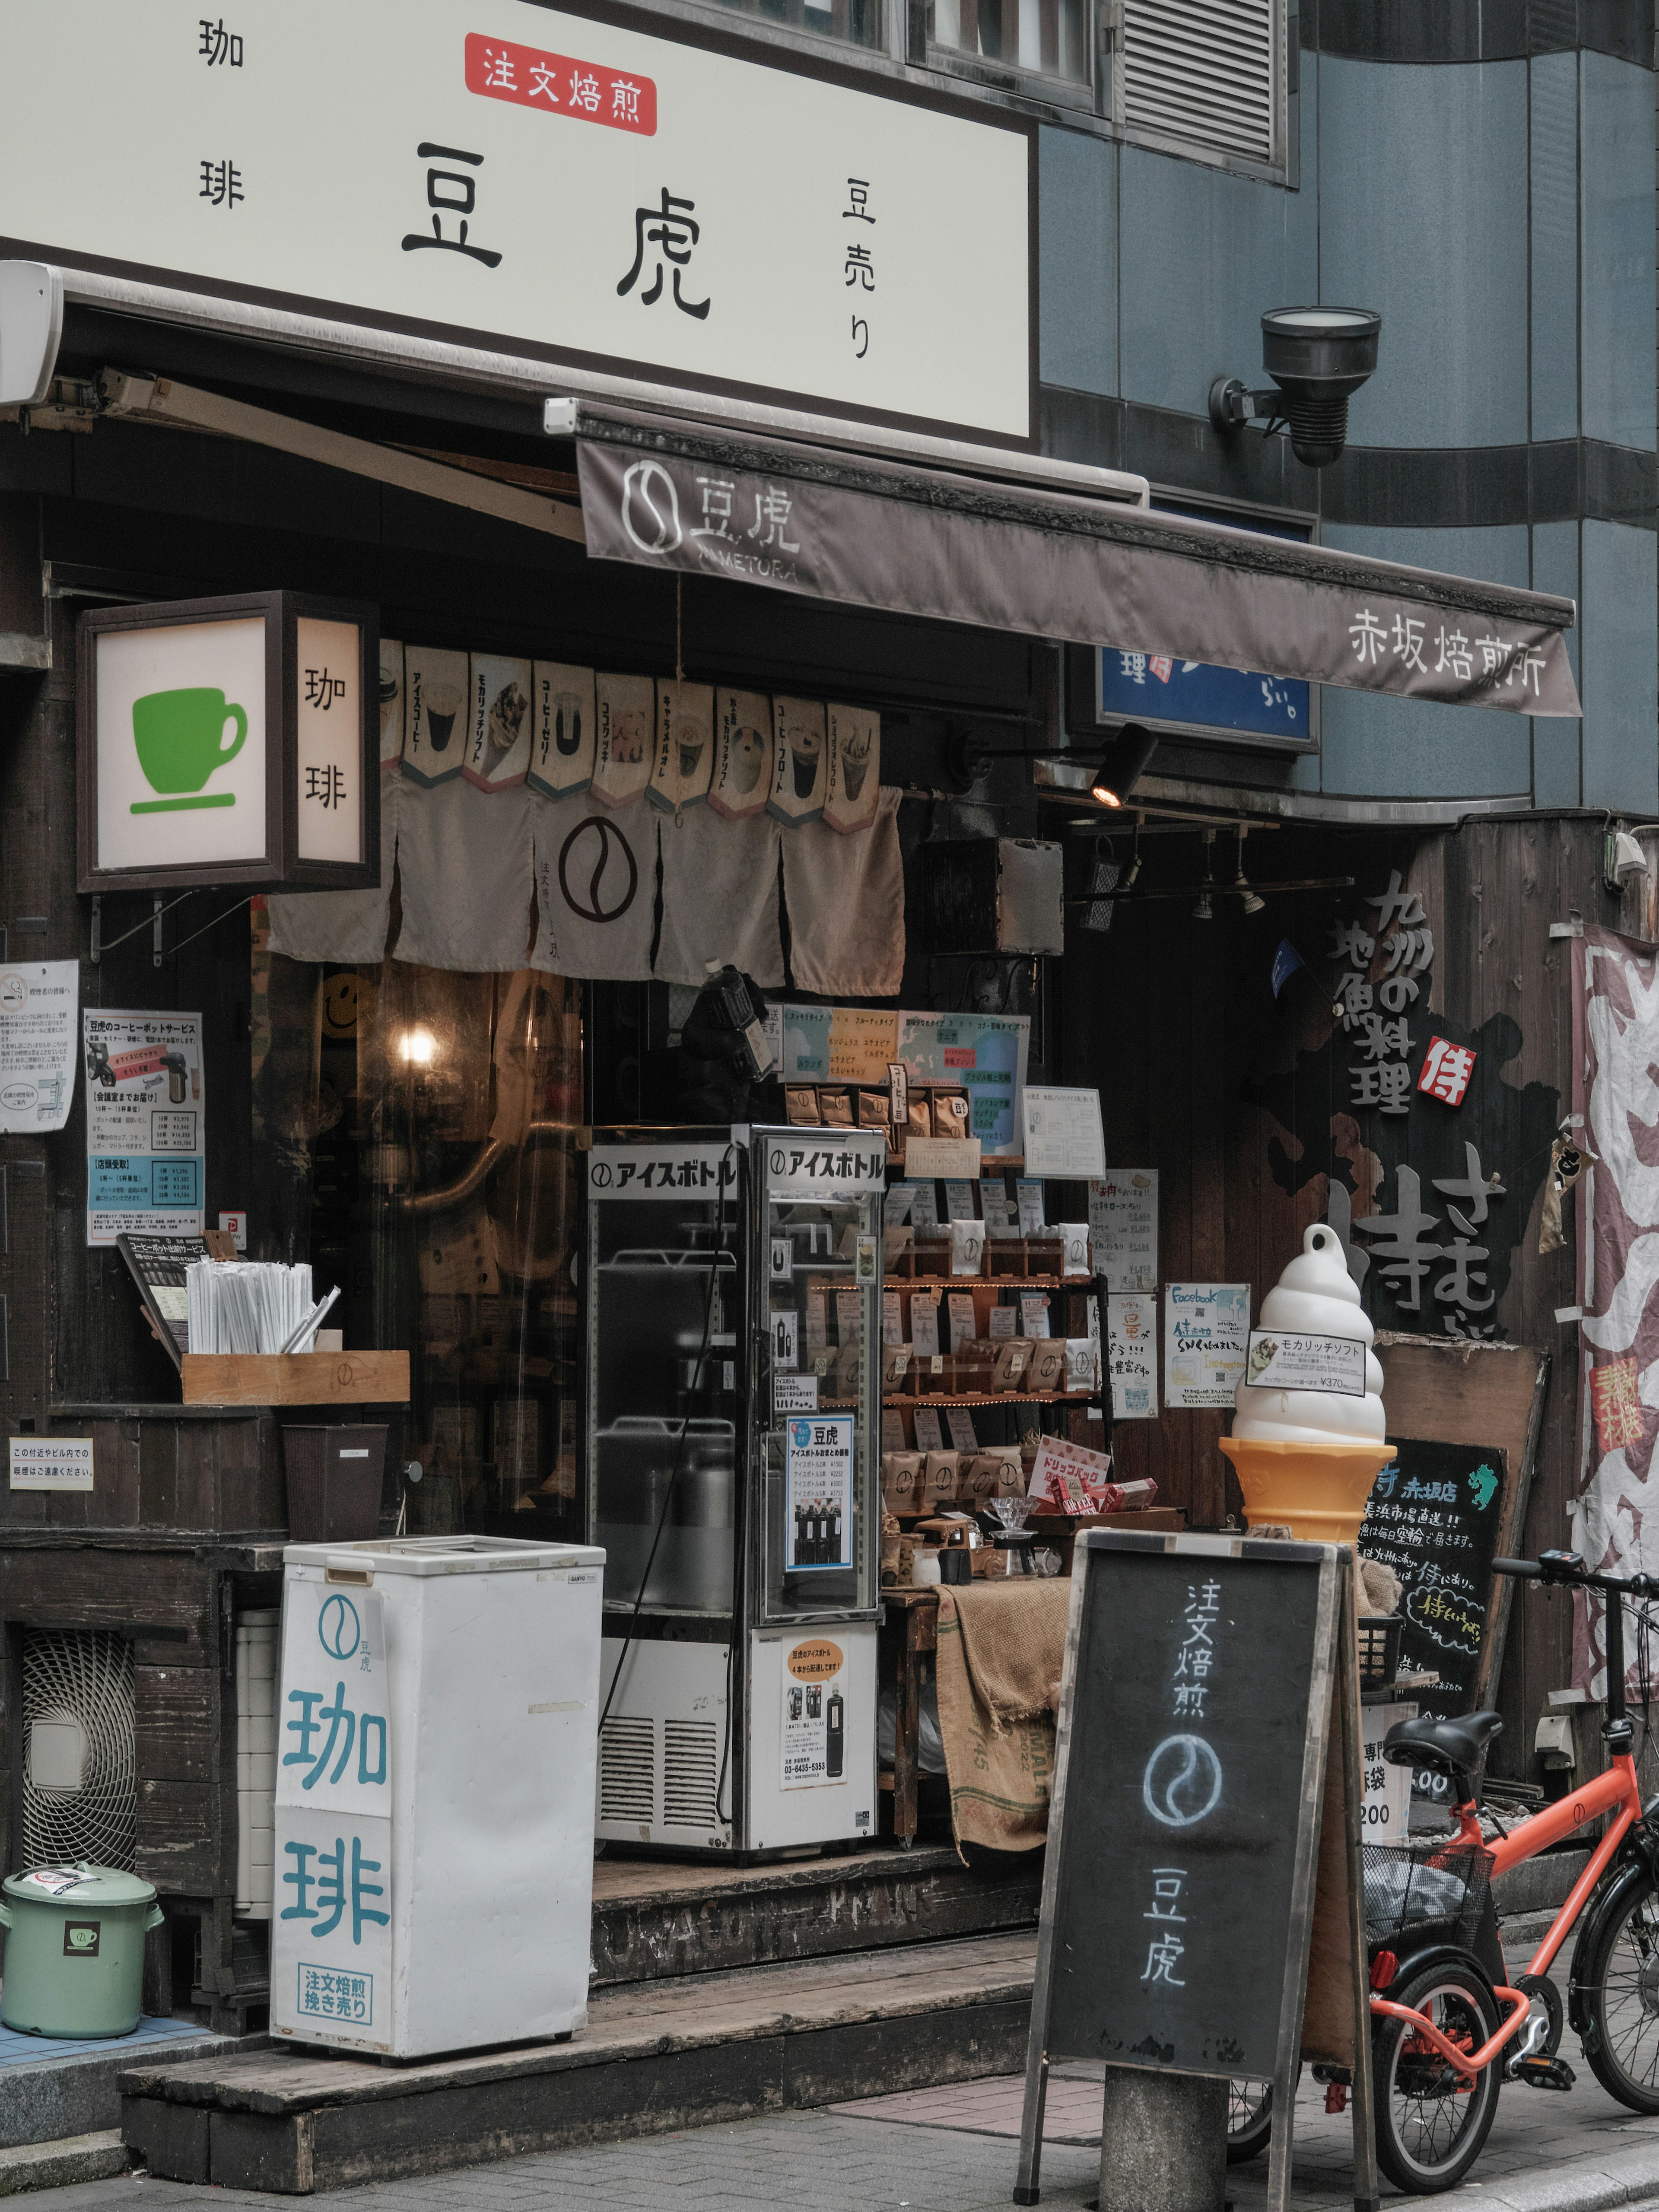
<point>651,507</point>
<point>599,875</point>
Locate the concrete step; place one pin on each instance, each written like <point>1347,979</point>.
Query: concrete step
<point>654,2056</point>
<point>96,2157</point>
<point>653,1919</point>
<point>52,2089</point>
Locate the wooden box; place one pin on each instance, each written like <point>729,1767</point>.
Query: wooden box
<point>296,1378</point>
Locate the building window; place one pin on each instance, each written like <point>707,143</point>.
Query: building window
<point>1041,37</point>
<point>853,22</point>
<point>1201,74</point>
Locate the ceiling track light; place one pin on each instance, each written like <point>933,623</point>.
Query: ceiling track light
<point>1253,902</point>
<point>1203,910</point>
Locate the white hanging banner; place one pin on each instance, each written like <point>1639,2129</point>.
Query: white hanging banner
<point>627,724</point>
<point>596,888</point>
<point>561,744</point>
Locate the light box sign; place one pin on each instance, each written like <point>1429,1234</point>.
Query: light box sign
<point>229,741</point>
<point>605,186</point>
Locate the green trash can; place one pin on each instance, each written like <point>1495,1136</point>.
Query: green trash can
<point>75,1950</point>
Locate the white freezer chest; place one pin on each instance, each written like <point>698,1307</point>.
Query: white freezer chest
<point>436,1729</point>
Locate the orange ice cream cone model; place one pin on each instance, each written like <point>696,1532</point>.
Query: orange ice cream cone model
<point>1308,1458</point>
<point>1319,1490</point>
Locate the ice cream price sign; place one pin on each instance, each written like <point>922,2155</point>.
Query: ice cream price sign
<point>1285,1359</point>
<point>1206,1328</point>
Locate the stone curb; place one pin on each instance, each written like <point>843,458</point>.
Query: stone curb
<point>29,2166</point>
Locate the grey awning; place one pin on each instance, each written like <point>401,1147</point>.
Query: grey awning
<point>1001,555</point>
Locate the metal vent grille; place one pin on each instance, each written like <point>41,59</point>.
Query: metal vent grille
<point>1205,70</point>
<point>690,1774</point>
<point>79,1798</point>
<point>628,1769</point>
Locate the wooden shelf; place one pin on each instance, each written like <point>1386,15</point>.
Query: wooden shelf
<point>995,1398</point>
<point>296,1378</point>
<point>1081,1283</point>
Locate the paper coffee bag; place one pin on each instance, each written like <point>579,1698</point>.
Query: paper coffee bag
<point>854,776</point>
<point>435,714</point>
<point>498,731</point>
<point>624,739</point>
<point>562,739</point>
<point>685,746</point>
<point>799,771</point>
<point>742,753</point>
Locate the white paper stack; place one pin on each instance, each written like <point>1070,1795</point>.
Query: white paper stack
<point>248,1305</point>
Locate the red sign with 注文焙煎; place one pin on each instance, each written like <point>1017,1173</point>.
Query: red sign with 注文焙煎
<point>559,85</point>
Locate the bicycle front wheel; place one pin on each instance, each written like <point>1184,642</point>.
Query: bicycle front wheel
<point>1431,2121</point>
<point>1620,1993</point>
<point>1249,2118</point>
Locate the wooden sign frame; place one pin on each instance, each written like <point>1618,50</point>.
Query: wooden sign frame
<point>279,867</point>
<point>1326,1991</point>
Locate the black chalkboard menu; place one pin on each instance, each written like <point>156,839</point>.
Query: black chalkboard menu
<point>1199,1696</point>
<point>1434,1517</point>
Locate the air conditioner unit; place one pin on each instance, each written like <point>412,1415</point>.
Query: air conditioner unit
<point>80,1795</point>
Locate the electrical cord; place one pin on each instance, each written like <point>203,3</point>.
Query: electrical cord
<point>731,1152</point>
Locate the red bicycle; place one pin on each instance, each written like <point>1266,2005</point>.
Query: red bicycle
<point>1445,2010</point>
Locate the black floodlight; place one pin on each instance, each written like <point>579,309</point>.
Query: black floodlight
<point>1124,765</point>
<point>1318,358</point>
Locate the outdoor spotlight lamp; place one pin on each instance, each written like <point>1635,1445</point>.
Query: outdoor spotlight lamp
<point>1318,358</point>
<point>1124,765</point>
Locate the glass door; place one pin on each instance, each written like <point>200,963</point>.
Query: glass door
<point>816,1404</point>
<point>665,1304</point>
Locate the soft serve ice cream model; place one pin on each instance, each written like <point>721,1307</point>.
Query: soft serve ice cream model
<point>1310,1457</point>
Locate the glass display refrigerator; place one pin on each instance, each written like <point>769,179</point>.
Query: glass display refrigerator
<point>732,1297</point>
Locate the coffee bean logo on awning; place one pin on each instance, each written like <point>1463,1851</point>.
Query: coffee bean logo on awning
<point>651,507</point>
<point>599,875</point>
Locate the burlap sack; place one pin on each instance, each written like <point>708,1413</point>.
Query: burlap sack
<point>1000,1646</point>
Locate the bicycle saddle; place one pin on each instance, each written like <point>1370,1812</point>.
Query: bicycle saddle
<point>1451,1746</point>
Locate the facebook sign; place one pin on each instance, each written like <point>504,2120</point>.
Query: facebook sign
<point>1145,687</point>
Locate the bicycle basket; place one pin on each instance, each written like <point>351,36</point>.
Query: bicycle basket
<point>1445,1891</point>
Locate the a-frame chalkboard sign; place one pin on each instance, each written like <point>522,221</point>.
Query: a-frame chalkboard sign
<point>1209,1727</point>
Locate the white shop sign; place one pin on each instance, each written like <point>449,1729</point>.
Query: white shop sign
<point>543,182</point>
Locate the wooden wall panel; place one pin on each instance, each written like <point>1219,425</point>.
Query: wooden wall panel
<point>179,1837</point>
<point>1245,1107</point>
<point>178,1721</point>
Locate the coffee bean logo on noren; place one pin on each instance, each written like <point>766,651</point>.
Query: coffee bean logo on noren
<point>604,870</point>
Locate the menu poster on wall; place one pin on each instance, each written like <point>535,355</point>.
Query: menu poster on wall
<point>1206,1328</point>
<point>37,999</point>
<point>1123,1228</point>
<point>987,1054</point>
<point>835,1044</point>
<point>813,1737</point>
<point>146,1151</point>
<point>1064,1133</point>
<point>1131,1355</point>
<point>819,1484</point>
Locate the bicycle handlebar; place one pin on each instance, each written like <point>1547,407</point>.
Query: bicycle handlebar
<point>1565,1567</point>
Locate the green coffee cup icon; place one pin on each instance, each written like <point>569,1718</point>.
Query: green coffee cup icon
<point>180,736</point>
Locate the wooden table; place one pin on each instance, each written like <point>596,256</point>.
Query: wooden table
<point>909,1632</point>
